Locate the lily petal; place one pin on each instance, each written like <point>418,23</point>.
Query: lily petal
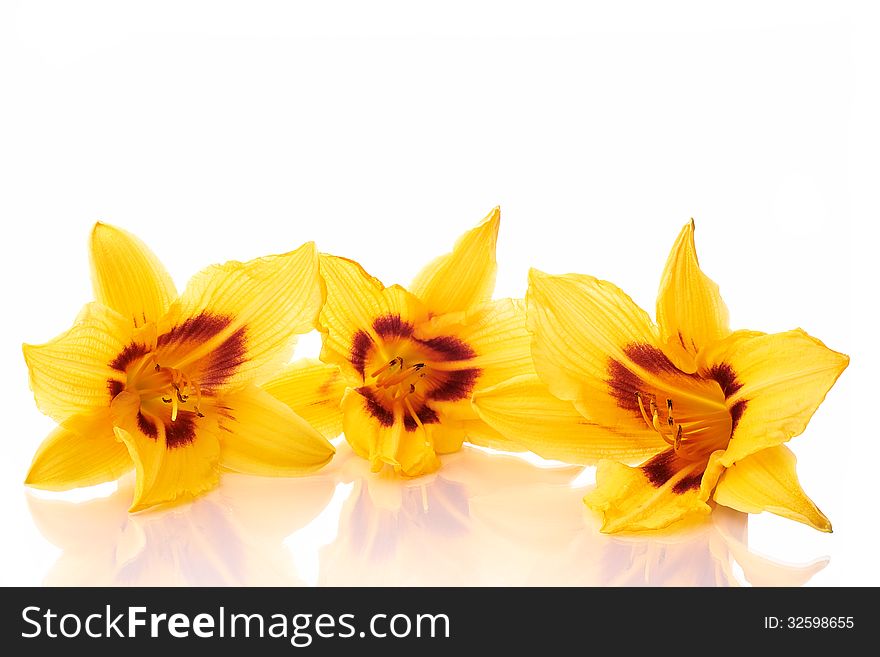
<point>690,311</point>
<point>314,391</point>
<point>773,384</point>
<point>241,319</point>
<point>384,440</point>
<point>81,452</point>
<point>459,422</point>
<point>578,322</point>
<point>71,374</point>
<point>593,346</point>
<point>465,277</point>
<point>654,495</point>
<point>767,481</point>
<point>166,473</point>
<point>128,277</point>
<point>523,410</point>
<point>360,427</point>
<point>261,435</point>
<point>496,332</point>
<point>478,432</point>
<point>355,303</point>
<point>417,454</point>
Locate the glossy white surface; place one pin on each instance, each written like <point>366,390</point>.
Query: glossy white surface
<point>230,130</point>
<point>484,520</point>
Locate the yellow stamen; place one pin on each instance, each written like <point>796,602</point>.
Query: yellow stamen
<point>654,421</point>
<point>401,376</point>
<point>655,418</point>
<point>391,363</point>
<point>172,386</point>
<point>415,416</point>
<point>642,409</point>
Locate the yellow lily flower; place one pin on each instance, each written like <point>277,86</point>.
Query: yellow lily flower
<point>168,383</point>
<point>710,407</point>
<point>410,359</point>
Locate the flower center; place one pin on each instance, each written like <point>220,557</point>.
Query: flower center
<point>404,375</point>
<point>172,386</point>
<point>700,430</point>
<point>403,382</point>
<point>397,378</point>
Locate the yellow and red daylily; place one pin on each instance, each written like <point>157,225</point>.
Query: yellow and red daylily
<point>709,408</point>
<point>168,384</point>
<point>411,359</point>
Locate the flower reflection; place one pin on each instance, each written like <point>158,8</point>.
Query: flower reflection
<point>233,536</point>
<point>705,554</point>
<point>481,520</point>
<point>422,532</point>
<point>497,520</point>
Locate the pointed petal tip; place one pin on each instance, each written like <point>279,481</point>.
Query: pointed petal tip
<point>537,274</point>
<point>32,478</point>
<point>843,358</point>
<point>308,249</point>
<point>35,483</point>
<point>687,232</point>
<point>101,229</point>
<point>329,451</point>
<point>304,247</point>
<point>309,246</point>
<point>821,522</point>
<point>492,220</point>
<point>35,480</point>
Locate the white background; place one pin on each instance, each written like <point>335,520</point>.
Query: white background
<point>382,131</point>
